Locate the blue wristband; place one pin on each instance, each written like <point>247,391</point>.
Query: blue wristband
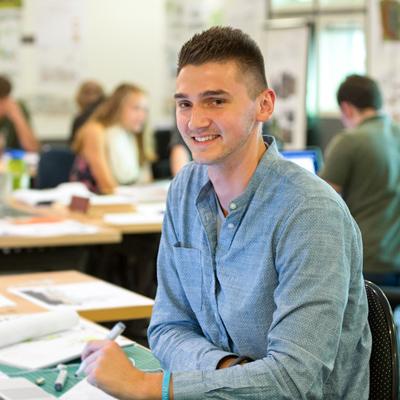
<point>165,385</point>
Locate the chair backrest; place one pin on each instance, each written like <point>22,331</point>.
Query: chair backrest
<point>383,365</point>
<point>54,167</point>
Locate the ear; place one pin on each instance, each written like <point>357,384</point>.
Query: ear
<point>265,105</point>
<point>347,109</point>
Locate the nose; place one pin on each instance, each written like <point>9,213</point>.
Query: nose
<point>198,119</point>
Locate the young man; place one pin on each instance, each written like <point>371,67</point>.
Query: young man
<point>363,164</point>
<point>260,289</point>
<point>14,125</point>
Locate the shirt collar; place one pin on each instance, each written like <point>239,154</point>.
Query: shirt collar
<point>270,155</point>
<point>378,116</point>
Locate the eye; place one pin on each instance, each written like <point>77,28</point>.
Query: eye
<point>183,104</point>
<point>217,102</point>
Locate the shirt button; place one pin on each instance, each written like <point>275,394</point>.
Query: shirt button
<point>231,226</point>
<point>233,206</point>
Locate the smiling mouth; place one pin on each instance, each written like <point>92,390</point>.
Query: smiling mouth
<point>202,139</point>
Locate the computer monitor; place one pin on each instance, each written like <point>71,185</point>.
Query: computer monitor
<point>308,159</point>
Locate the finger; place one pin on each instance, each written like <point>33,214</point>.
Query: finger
<point>89,370</point>
<point>91,347</point>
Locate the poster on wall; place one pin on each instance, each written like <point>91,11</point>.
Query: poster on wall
<point>285,52</point>
<point>390,19</point>
<point>58,31</point>
<point>384,61</point>
<point>10,33</point>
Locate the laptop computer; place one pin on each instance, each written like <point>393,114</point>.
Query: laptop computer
<point>309,159</point>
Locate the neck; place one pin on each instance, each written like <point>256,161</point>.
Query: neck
<point>230,179</point>
<point>366,114</point>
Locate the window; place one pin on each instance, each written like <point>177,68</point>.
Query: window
<point>341,52</point>
<point>291,6</point>
<point>338,45</point>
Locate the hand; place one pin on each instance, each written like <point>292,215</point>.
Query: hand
<point>226,362</point>
<point>108,368</point>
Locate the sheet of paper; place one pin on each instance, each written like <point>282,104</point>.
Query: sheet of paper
<point>85,391</point>
<point>6,302</point>
<point>62,193</point>
<point>22,389</point>
<point>135,218</point>
<point>81,296</point>
<point>145,193</point>
<point>31,326</point>
<point>50,350</point>
<point>108,200</point>
<point>58,228</point>
<point>152,208</point>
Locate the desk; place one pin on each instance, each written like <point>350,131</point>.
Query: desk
<point>150,200</point>
<point>135,311</point>
<point>49,252</point>
<point>134,246</point>
<point>142,356</point>
<point>101,236</point>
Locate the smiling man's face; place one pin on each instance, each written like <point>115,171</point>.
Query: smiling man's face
<point>215,114</point>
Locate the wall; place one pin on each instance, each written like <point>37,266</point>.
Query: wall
<point>121,40</point>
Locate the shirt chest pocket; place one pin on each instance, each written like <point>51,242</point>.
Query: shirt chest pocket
<point>189,267</point>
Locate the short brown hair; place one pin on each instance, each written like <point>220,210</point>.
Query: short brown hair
<point>221,44</point>
<point>89,93</point>
<point>360,91</point>
<point>5,87</point>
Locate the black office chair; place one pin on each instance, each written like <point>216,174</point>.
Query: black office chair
<point>383,365</point>
<point>54,167</point>
<point>160,167</point>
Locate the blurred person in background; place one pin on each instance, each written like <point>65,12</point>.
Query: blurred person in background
<point>110,145</point>
<point>15,130</point>
<point>363,165</point>
<point>90,94</point>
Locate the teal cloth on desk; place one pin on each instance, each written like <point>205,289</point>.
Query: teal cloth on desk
<point>144,360</point>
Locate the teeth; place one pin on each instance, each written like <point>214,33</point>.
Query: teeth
<point>204,138</point>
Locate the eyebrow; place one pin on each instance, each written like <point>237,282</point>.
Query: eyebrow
<point>207,93</point>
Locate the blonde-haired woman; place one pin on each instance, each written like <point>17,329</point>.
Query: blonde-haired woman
<point>110,146</point>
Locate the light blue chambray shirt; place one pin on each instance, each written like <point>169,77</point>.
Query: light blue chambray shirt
<point>282,284</point>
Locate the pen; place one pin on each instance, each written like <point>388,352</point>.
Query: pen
<point>112,335</point>
<point>61,377</point>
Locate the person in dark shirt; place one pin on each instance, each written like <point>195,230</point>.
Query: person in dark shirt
<point>90,95</point>
<point>15,130</point>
